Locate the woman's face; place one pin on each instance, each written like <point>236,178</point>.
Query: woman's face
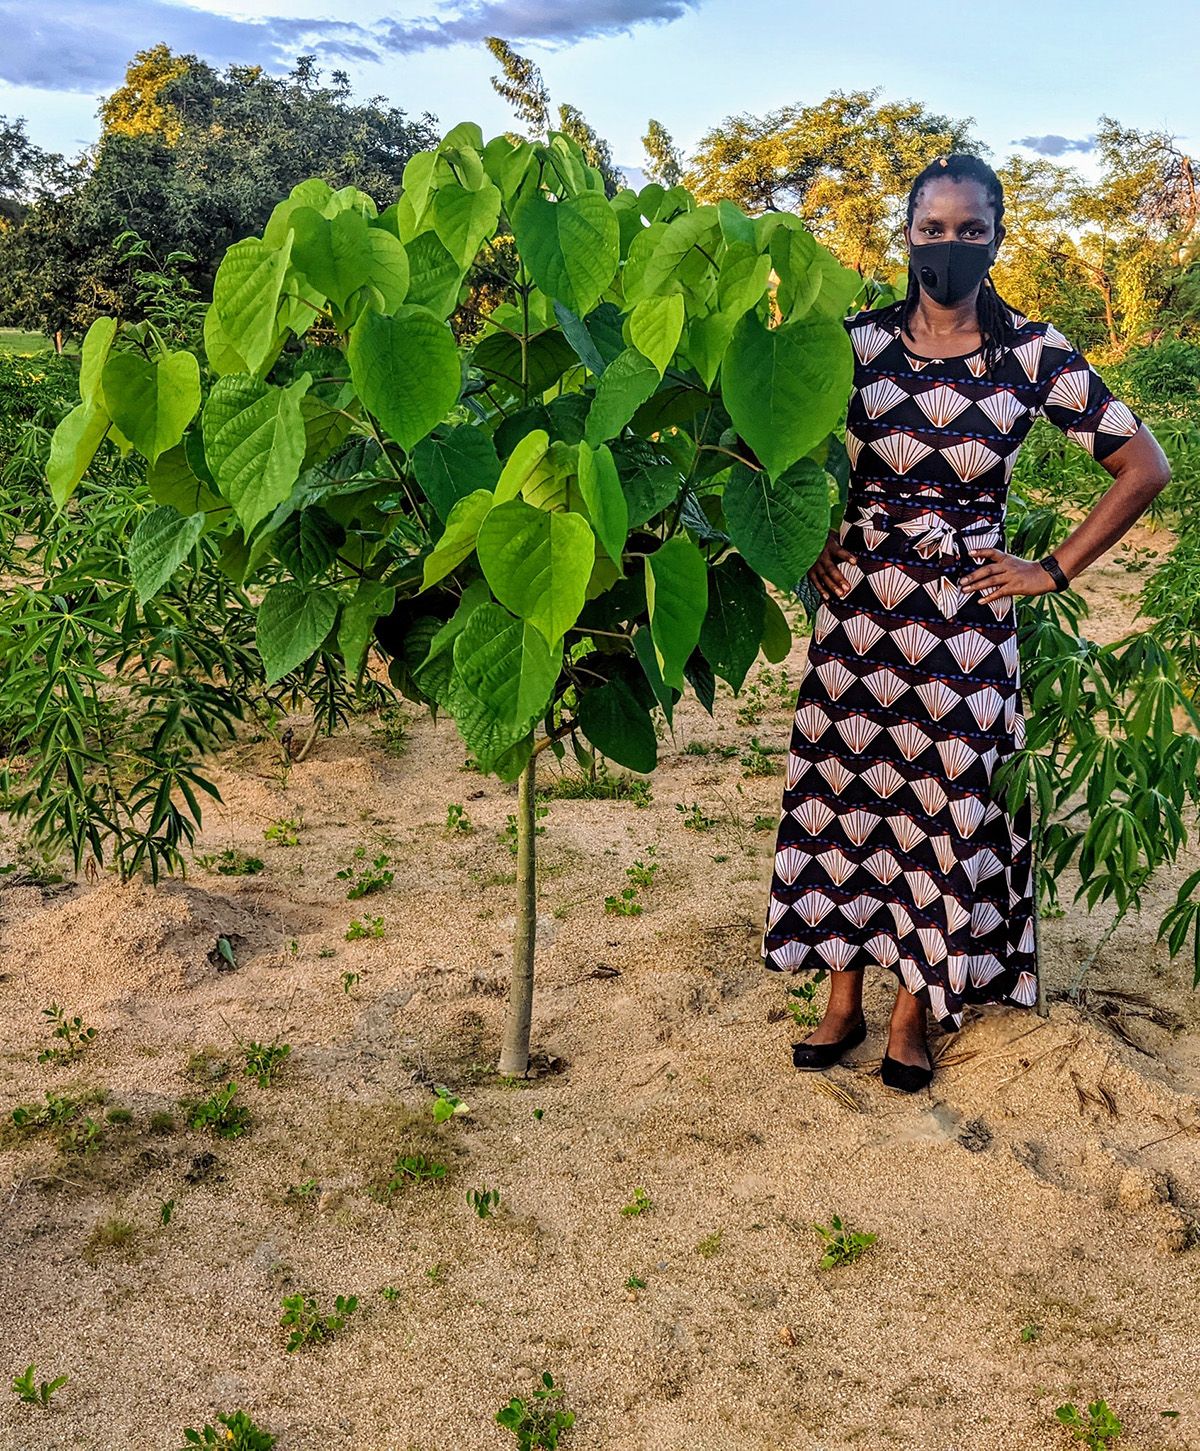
<point>949,211</point>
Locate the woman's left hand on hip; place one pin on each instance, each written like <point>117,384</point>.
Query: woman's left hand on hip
<point>1006,574</point>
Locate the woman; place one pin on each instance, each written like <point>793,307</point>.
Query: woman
<point>893,848</point>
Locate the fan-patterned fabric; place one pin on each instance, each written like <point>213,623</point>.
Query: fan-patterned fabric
<point>892,848</point>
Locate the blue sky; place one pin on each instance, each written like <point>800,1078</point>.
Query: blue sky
<point>1035,74</point>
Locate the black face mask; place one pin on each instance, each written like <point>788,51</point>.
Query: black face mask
<point>948,271</point>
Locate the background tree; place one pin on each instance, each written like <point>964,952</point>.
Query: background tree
<point>522,86</point>
<point>189,159</point>
<point>664,163</point>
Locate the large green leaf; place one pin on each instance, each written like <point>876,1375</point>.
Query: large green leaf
<point>527,460</point>
<point>97,344</point>
<point>459,536</point>
<point>661,267</point>
<point>537,563</point>
<point>677,597</point>
<point>246,292</point>
<point>254,442</point>
<point>778,525</point>
<point>627,382</point>
<point>777,633</point>
<point>786,387</point>
<point>293,622</point>
<point>73,445</point>
<point>462,219</point>
<point>733,622</point>
<point>454,462</point>
<point>571,247</point>
<point>434,276</point>
<point>619,725</point>
<point>152,403</point>
<point>371,599</point>
<point>406,370</point>
<point>655,327</point>
<point>173,480</point>
<point>161,542</point>
<point>342,253</point>
<point>503,680</point>
<point>604,499</point>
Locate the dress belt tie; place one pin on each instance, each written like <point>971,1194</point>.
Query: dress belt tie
<point>932,535</point>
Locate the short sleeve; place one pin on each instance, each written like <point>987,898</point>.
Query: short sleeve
<point>1077,400</point>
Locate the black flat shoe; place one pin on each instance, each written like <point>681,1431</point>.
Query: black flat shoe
<point>909,1077</point>
<point>812,1056</point>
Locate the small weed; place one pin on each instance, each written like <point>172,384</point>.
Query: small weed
<point>756,759</point>
<point>709,748</point>
<point>537,1424</point>
<point>764,822</point>
<point>626,905</point>
<point>693,818</point>
<point>457,818</point>
<point>366,877</point>
<point>843,1245</point>
<point>119,1117</point>
<point>639,1204</point>
<point>372,927</point>
<point>509,835</point>
<point>437,1273</point>
<point>483,1201</point>
<point>166,1208</point>
<point>1097,1430</point>
<point>1030,1333</point>
<point>56,1112</point>
<point>634,1283</point>
<point>73,1036</point>
<point>598,785</point>
<point>110,1234</point>
<point>301,1193</point>
<point>236,1432</point>
<point>390,1293</point>
<point>264,1060</point>
<point>83,1137</point>
<point>218,1114</point>
<point>709,1245</point>
<point>350,981</point>
<point>161,1122</point>
<point>804,1007</point>
<point>231,863</point>
<point>207,1065</point>
<point>35,1392</point>
<point>641,874</point>
<point>308,1324</point>
<point>771,690</point>
<point>411,1168</point>
<point>285,832</point>
<point>393,730</point>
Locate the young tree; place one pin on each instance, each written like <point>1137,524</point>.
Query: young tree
<point>553,529</point>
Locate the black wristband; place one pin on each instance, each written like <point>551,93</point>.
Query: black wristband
<point>1055,571</point>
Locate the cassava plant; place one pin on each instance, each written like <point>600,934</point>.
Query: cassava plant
<point>551,527</point>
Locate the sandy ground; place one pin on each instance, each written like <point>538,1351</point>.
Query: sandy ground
<point>1034,1212</point>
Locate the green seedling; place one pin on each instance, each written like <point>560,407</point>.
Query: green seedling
<point>642,874</point>
<point>218,1114</point>
<point>1098,1430</point>
<point>538,1423</point>
<point>710,1244</point>
<point>231,863</point>
<point>843,1245</point>
<point>301,1193</point>
<point>639,1204</point>
<point>483,1201</point>
<point>166,1208</point>
<point>694,818</point>
<point>372,927</point>
<point>390,1293</point>
<point>634,1283</point>
<point>236,1432</point>
<point>73,1036</point>
<point>446,1104</point>
<point>81,1137</point>
<point>264,1060</point>
<point>365,876</point>
<point>349,980</point>
<point>34,1392</point>
<point>457,818</point>
<point>308,1325</point>
<point>756,760</point>
<point>626,905</point>
<point>803,1002</point>
<point>285,832</point>
<point>412,1168</point>
<point>1030,1333</point>
<point>57,1111</point>
<point>597,785</point>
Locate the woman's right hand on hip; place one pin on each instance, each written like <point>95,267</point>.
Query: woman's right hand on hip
<point>826,575</point>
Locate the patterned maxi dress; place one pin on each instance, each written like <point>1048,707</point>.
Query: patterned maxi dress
<point>892,848</point>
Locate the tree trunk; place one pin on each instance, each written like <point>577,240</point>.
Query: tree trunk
<point>58,342</point>
<point>514,1048</point>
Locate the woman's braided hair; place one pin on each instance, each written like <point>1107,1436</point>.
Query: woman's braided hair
<point>995,325</point>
